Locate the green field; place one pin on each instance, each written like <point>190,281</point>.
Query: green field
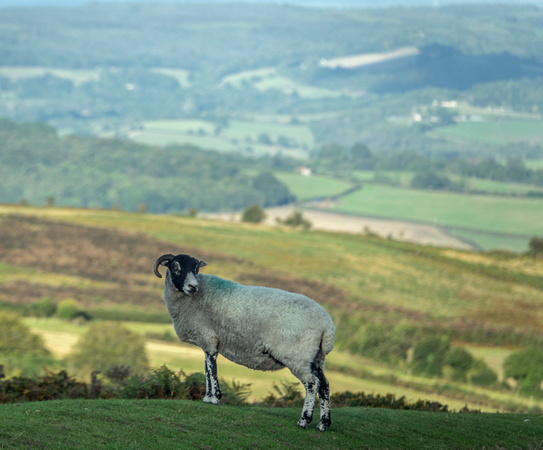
<point>495,132</point>
<point>511,216</point>
<point>503,218</point>
<point>268,78</point>
<point>240,136</point>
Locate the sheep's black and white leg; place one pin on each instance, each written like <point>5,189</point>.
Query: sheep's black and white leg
<point>324,397</point>
<point>213,390</point>
<point>310,383</point>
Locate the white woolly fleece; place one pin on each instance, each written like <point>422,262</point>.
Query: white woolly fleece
<point>259,327</point>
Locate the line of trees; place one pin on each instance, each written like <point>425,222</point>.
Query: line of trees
<point>430,172</point>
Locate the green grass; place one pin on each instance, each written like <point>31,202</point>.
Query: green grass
<point>164,424</point>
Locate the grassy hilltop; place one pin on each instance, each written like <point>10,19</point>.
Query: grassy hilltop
<point>165,424</point>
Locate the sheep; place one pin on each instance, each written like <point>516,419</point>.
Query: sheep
<point>258,327</point>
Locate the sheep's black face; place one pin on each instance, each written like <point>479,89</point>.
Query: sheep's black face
<point>183,271</point>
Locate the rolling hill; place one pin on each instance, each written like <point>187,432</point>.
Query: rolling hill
<point>368,284</point>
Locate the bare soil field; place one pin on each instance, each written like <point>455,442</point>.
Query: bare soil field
<point>329,221</point>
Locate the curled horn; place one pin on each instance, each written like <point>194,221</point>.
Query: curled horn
<point>160,260</point>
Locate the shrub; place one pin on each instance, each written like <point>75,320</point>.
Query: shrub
<point>46,307</point>
<point>536,246</point>
<point>164,383</point>
<point>106,345</point>
<point>389,401</point>
<point>67,309</point>
<point>51,386</point>
<point>282,396</point>
<point>297,220</point>
<point>253,214</point>
<point>385,344</point>
<point>484,377</point>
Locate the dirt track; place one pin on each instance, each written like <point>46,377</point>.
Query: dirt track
<point>329,221</point>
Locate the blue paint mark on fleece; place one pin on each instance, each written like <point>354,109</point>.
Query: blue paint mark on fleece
<point>219,284</point>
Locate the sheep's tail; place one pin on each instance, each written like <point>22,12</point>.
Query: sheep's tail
<point>327,341</point>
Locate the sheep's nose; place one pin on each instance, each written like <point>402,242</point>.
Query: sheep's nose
<point>192,288</point>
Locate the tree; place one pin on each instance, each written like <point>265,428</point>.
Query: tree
<point>21,351</point>
<point>331,153</point>
<point>429,357</point>
<point>16,337</point>
<point>459,361</point>
<point>273,190</point>
<point>295,220</point>
<point>536,246</point>
<point>430,180</point>
<point>264,139</point>
<point>253,214</point>
<point>46,307</point>
<point>361,156</point>
<point>67,309</point>
<point>382,343</point>
<point>106,345</point>
<point>526,367</point>
<point>482,375</point>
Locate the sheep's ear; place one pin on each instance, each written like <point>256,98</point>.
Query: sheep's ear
<point>202,264</point>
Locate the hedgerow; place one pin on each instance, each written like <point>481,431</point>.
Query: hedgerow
<point>163,383</point>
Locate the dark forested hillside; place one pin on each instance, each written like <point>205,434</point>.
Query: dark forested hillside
<point>39,167</point>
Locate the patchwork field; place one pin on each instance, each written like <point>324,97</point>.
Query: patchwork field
<point>268,78</point>
<point>494,133</point>
<point>245,137</point>
<point>515,220</point>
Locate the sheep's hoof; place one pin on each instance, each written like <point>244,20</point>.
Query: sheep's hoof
<point>302,423</point>
<point>212,400</point>
<point>323,425</point>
